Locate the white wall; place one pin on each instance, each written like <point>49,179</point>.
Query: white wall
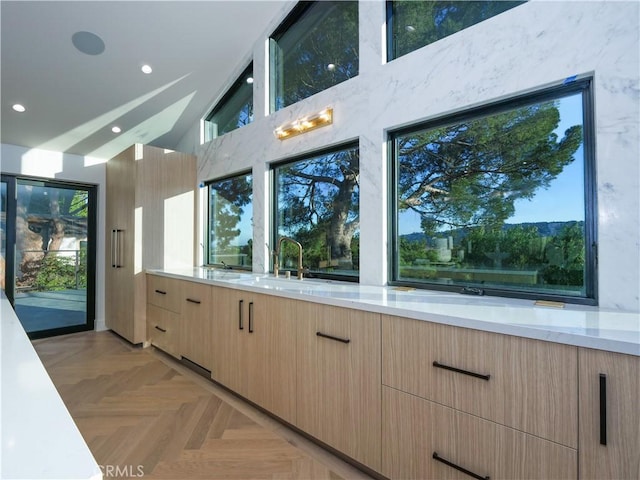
<point>46,164</point>
<point>534,45</point>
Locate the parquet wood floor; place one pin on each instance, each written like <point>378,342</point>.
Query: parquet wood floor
<point>144,415</point>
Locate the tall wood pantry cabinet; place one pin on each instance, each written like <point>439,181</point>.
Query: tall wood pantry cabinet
<point>150,222</point>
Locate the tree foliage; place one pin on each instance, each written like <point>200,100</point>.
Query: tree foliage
<point>471,173</point>
<point>229,199</point>
<point>236,108</point>
<point>61,272</point>
<point>318,204</point>
<point>45,216</point>
<point>318,51</point>
<point>567,252</point>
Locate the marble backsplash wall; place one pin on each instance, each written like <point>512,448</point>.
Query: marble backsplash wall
<point>532,46</point>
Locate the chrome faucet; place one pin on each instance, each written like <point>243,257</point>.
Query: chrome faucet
<point>276,257</point>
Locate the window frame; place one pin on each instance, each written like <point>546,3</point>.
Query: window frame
<point>207,235</point>
<point>298,11</point>
<point>228,95</point>
<point>571,85</point>
<point>390,20</point>
<point>273,203</point>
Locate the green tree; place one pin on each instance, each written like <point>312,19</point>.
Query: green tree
<point>45,216</point>
<point>471,173</point>
<point>413,252</point>
<point>229,198</point>
<point>318,203</point>
<point>565,255</point>
<point>55,272</point>
<point>522,247</point>
<point>318,51</point>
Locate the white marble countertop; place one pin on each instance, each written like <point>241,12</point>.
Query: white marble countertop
<point>39,438</point>
<point>582,326</point>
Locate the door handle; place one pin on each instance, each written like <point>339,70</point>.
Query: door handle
<point>114,236</point>
<point>116,252</point>
<point>603,409</point>
<point>459,370</point>
<point>438,458</point>
<point>331,337</point>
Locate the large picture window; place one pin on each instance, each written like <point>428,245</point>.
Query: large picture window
<point>230,221</point>
<point>413,24</point>
<point>500,199</point>
<point>315,48</point>
<point>234,110</point>
<point>317,204</point>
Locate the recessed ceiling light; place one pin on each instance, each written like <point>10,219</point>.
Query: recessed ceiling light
<point>146,69</point>
<point>116,129</point>
<point>249,80</point>
<point>410,28</point>
<point>19,108</point>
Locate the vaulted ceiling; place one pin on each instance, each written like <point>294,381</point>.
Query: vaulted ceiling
<point>73,99</point>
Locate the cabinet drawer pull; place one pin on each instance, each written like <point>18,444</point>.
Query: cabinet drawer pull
<point>459,468</point>
<point>197,302</point>
<point>603,409</point>
<point>250,317</point>
<point>331,337</point>
<point>161,292</point>
<point>161,329</point>
<point>459,370</point>
<point>240,315</point>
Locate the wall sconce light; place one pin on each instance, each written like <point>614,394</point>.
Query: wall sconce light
<point>302,125</point>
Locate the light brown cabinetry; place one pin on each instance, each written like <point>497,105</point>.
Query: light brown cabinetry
<point>460,402</point>
<point>416,431</point>
<point>407,398</point>
<point>195,324</point>
<point>228,339</point>
<point>163,313</point>
<point>253,349</point>
<point>338,391</point>
<point>164,292</point>
<point>525,384</point>
<point>150,219</point>
<point>609,415</point>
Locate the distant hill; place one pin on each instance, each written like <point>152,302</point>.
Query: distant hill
<point>545,229</point>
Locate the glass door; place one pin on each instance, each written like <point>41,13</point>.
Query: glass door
<point>51,235</point>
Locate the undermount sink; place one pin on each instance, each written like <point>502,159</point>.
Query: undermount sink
<point>221,274</point>
<point>289,284</point>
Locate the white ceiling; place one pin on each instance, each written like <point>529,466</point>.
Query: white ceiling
<point>73,99</point>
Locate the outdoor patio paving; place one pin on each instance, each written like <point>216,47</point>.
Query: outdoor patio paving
<point>46,310</point>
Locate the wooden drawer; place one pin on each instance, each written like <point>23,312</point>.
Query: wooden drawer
<point>164,292</point>
<point>413,429</point>
<point>163,329</point>
<point>338,379</point>
<point>196,323</point>
<point>526,384</point>
<point>609,415</point>
<point>196,293</point>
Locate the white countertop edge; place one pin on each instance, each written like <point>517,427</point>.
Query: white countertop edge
<point>511,307</point>
<point>39,438</point>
